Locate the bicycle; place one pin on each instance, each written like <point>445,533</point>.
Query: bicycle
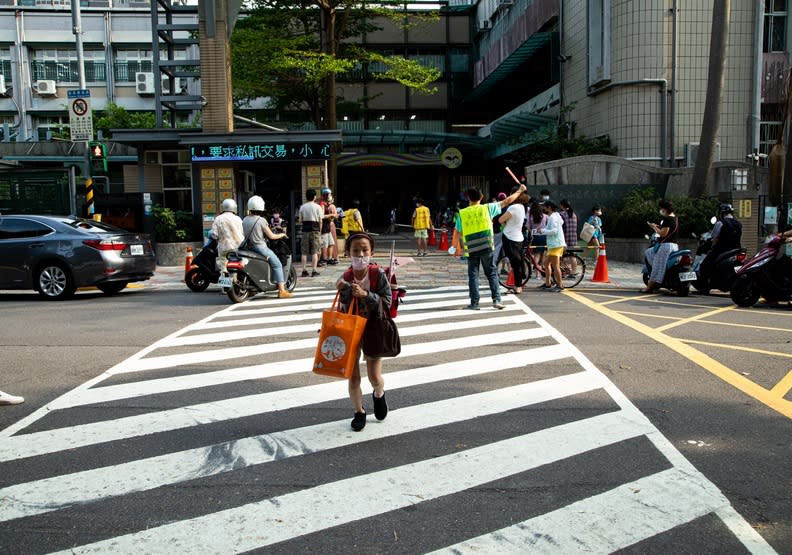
<point>573,268</point>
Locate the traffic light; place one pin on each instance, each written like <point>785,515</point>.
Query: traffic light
<point>98,155</point>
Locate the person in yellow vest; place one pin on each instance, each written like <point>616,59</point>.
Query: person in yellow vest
<point>474,224</point>
<point>421,222</point>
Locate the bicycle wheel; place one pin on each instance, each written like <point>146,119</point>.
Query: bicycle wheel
<point>504,268</point>
<point>573,268</point>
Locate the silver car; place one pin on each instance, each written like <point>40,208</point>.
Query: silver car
<point>55,255</point>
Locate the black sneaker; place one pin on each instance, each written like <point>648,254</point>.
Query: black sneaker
<point>380,407</point>
<point>359,421</point>
<point>305,273</point>
<point>333,261</point>
<point>314,273</point>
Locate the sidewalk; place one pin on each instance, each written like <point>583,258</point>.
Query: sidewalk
<point>436,269</point>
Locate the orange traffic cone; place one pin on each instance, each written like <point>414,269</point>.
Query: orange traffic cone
<point>188,260</point>
<point>432,242</point>
<point>457,246</point>
<point>443,241</point>
<point>601,268</point>
<point>510,279</point>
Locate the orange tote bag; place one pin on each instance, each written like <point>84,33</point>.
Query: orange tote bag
<point>339,340</point>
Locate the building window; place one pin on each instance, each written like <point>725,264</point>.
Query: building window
<point>599,42</point>
<point>739,179</point>
<point>176,180</point>
<point>128,62</point>
<point>60,65</point>
<point>775,26</point>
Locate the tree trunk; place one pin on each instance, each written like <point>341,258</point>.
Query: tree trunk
<point>710,125</point>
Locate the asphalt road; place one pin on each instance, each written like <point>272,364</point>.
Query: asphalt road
<point>658,354</point>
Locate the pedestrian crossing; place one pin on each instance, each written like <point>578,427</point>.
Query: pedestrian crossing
<point>219,439</point>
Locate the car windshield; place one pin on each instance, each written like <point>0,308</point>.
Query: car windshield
<point>92,226</point>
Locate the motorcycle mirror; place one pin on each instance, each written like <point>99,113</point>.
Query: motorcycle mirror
<point>713,220</point>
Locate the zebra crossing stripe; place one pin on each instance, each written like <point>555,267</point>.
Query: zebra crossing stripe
<point>404,331</point>
<point>60,492</point>
<point>180,383</point>
<point>606,522</point>
<point>278,519</point>
<point>214,355</point>
<point>52,441</point>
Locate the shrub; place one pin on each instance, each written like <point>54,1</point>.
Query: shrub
<point>640,205</point>
<point>172,226</point>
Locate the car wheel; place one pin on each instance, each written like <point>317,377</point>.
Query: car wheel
<point>744,291</point>
<point>55,282</point>
<point>238,292</point>
<point>112,288</point>
<point>196,280</point>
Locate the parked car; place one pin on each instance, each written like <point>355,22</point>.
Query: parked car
<point>55,255</point>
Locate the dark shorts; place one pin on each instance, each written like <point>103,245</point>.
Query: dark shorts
<point>539,243</point>
<point>310,243</point>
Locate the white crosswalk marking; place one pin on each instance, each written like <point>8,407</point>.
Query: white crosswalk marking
<point>477,366</point>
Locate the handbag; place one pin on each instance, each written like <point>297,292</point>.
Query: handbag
<point>339,340</point>
<point>381,336</point>
<point>587,232</point>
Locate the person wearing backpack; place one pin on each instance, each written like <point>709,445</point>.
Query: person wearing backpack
<point>726,235</point>
<point>369,284</point>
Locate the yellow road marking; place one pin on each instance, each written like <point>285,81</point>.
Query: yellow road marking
<point>684,321</point>
<point>711,365</point>
<point>783,387</point>
<point>749,326</point>
<point>737,348</point>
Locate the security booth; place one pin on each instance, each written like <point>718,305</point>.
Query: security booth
<point>195,171</point>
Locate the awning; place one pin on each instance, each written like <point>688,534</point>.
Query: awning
<point>506,69</point>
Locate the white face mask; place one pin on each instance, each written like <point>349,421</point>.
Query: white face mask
<point>360,262</point>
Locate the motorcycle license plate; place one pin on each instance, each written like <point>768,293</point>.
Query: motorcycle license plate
<point>225,281</point>
<point>687,276</point>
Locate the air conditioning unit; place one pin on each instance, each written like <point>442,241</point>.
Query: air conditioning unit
<point>691,153</point>
<point>3,88</point>
<point>144,82</point>
<point>165,85</point>
<point>484,25</point>
<point>46,87</point>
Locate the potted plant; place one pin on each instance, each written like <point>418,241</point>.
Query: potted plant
<point>174,232</point>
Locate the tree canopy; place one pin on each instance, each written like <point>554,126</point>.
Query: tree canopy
<point>290,53</point>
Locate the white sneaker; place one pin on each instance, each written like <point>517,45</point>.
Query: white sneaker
<point>6,399</point>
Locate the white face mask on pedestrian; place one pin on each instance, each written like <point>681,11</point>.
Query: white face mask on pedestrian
<point>360,262</point>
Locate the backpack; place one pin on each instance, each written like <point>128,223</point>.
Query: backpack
<point>397,293</point>
<point>349,223</point>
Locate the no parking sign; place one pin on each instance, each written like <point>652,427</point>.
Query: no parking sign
<point>80,118</point>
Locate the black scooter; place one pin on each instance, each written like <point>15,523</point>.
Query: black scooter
<point>723,272</point>
<point>204,268</point>
<point>249,273</point>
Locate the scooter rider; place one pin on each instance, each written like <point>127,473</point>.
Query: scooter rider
<point>227,229</point>
<point>257,231</point>
<point>726,235</point>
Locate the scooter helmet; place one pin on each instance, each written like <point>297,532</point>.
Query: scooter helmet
<point>256,204</point>
<point>229,205</point>
<point>725,208</point>
<point>326,191</point>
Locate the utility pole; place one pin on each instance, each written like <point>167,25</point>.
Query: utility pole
<point>77,31</point>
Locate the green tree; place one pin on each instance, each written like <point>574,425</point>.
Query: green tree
<point>116,117</point>
<point>291,52</point>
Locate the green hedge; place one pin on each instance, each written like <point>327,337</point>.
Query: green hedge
<point>629,219</point>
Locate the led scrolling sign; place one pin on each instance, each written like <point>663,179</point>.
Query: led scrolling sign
<point>268,151</point>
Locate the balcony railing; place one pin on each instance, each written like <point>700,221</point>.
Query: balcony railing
<point>67,72</point>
